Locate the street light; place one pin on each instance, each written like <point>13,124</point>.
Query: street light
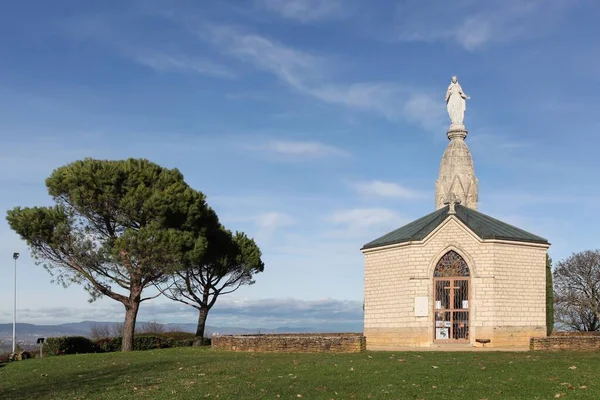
<point>14,341</point>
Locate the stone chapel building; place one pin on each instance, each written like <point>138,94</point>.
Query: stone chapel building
<point>455,276</point>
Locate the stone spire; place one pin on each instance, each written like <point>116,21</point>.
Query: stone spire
<point>456,182</point>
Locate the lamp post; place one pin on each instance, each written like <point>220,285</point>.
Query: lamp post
<point>14,341</point>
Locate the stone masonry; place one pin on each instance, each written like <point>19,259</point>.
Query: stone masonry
<point>456,179</point>
<point>507,289</point>
<point>292,343</point>
<point>581,343</point>
<point>507,266</point>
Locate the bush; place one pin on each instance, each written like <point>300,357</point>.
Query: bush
<point>173,335</point>
<point>69,345</point>
<point>4,358</point>
<point>19,356</point>
<point>141,342</point>
<point>183,343</point>
<point>108,345</point>
<point>147,342</point>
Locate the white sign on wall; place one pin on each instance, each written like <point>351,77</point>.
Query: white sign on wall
<point>421,306</point>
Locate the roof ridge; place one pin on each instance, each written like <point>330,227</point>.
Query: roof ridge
<point>415,230</point>
<point>483,225</point>
<point>499,222</point>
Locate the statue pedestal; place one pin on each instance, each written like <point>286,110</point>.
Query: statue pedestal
<point>457,131</point>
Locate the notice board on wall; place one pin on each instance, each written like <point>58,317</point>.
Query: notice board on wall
<point>421,306</point>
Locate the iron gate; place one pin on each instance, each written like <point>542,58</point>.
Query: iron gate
<point>451,299</point>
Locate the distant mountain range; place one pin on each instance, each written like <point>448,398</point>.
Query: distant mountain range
<point>28,333</point>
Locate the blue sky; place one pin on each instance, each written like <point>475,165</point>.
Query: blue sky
<point>314,126</point>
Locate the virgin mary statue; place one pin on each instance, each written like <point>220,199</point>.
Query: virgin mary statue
<point>455,102</point>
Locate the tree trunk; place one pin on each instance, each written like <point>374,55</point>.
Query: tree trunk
<point>199,340</point>
<point>131,311</point>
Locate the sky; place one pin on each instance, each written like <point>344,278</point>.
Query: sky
<point>314,126</point>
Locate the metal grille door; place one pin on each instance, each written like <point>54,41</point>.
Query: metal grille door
<point>451,309</point>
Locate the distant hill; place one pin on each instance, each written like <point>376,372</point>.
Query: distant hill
<point>28,333</point>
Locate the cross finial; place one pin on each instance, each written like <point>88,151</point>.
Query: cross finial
<point>452,202</point>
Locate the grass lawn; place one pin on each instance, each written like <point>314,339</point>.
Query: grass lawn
<point>195,373</point>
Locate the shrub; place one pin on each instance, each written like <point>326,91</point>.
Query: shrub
<point>175,335</point>
<point>4,358</point>
<point>183,343</point>
<point>19,356</point>
<point>147,342</point>
<point>108,345</point>
<point>141,342</point>
<point>69,345</point>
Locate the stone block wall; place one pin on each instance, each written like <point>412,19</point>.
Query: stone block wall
<point>292,343</point>
<point>508,289</point>
<point>582,343</point>
<point>575,333</point>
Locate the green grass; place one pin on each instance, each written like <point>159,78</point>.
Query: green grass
<point>196,373</point>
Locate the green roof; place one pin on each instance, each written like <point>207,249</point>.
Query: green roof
<point>482,225</point>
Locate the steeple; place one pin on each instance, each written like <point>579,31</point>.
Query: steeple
<point>456,182</point>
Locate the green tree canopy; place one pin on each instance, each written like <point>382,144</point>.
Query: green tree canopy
<point>229,261</point>
<point>117,227</point>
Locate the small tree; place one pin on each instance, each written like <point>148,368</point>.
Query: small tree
<point>549,297</point>
<point>100,331</point>
<point>577,291</point>
<point>152,327</point>
<point>229,262</point>
<point>117,227</point>
<point>116,329</point>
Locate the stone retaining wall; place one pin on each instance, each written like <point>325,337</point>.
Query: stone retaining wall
<point>574,333</point>
<point>292,343</point>
<point>584,343</point>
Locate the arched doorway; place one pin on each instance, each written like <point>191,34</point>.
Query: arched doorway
<point>451,292</point>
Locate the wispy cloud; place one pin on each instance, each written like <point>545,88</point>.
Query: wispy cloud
<point>305,10</point>
<point>263,225</point>
<point>117,35</point>
<point>294,150</point>
<point>228,311</point>
<point>272,221</point>
<point>473,25</point>
<point>363,220</point>
<point>180,63</point>
<point>313,75</point>
<point>378,188</point>
<point>487,139</point>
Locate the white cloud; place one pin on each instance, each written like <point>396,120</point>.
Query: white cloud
<point>426,110</point>
<point>117,36</point>
<point>300,149</point>
<point>272,221</point>
<point>263,225</point>
<point>473,25</point>
<point>228,311</point>
<point>474,33</point>
<point>362,219</point>
<point>386,189</point>
<point>290,65</point>
<point>305,10</point>
<point>179,63</point>
<point>310,75</point>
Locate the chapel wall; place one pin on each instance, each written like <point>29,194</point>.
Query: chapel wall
<point>519,312</point>
<point>395,276</point>
<point>507,302</point>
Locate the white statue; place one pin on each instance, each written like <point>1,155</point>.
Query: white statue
<point>455,102</point>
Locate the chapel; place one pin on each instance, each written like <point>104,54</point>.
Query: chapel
<point>455,277</point>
